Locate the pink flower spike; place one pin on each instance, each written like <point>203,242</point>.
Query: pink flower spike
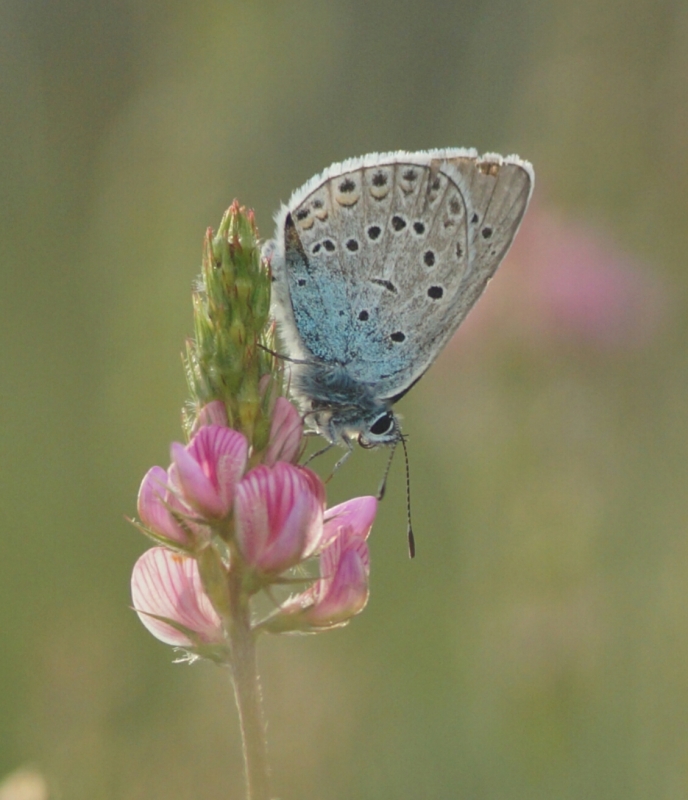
<point>357,514</point>
<point>154,503</point>
<point>286,432</point>
<point>166,584</point>
<point>279,514</point>
<point>208,469</point>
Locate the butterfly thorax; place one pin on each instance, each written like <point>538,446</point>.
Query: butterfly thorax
<point>341,408</point>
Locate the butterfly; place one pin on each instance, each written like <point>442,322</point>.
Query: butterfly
<point>375,263</point>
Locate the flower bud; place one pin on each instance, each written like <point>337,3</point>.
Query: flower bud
<point>286,432</point>
<point>167,585</point>
<point>213,413</point>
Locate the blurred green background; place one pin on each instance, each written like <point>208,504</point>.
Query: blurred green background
<point>538,645</point>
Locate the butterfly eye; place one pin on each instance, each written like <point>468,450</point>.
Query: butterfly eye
<point>382,425</point>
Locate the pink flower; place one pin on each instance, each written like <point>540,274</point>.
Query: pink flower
<point>286,433</point>
<point>155,504</point>
<point>213,413</point>
<point>279,516</point>
<point>564,282</point>
<point>208,468</point>
<point>165,584</point>
<point>341,592</point>
<point>357,514</point>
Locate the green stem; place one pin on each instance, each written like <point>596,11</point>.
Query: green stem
<point>247,691</point>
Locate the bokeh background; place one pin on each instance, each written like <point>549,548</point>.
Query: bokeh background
<point>538,645</point>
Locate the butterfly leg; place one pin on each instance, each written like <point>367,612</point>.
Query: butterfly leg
<point>345,457</point>
<point>350,450</point>
<point>317,453</point>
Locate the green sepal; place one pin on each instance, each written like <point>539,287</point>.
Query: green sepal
<point>158,538</point>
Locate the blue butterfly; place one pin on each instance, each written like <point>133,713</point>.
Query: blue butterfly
<point>375,263</point>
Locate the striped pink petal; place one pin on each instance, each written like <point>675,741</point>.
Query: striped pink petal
<point>286,433</point>
<point>154,503</point>
<point>357,514</point>
<point>213,413</point>
<point>209,467</point>
<point>341,592</point>
<point>166,584</point>
<point>278,514</point>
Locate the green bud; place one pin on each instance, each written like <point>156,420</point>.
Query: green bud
<point>228,356</point>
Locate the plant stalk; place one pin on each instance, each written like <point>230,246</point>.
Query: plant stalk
<point>247,692</point>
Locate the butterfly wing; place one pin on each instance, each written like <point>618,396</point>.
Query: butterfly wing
<point>379,259</point>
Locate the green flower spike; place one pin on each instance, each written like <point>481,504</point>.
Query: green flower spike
<point>228,359</point>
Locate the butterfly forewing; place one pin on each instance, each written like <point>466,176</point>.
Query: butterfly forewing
<point>383,256</point>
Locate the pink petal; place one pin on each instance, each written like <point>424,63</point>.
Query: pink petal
<point>285,433</point>
<point>316,484</point>
<point>209,468</point>
<point>166,584</point>
<point>153,506</point>
<point>278,513</point>
<point>197,488</point>
<point>214,413</point>
<point>222,454</point>
<point>357,514</point>
<point>340,594</point>
<point>299,535</point>
<point>345,593</point>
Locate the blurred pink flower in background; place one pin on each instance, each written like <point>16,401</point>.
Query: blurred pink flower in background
<point>564,282</point>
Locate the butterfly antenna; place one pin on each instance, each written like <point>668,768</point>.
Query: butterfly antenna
<point>383,482</point>
<point>409,530</point>
<point>281,356</point>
